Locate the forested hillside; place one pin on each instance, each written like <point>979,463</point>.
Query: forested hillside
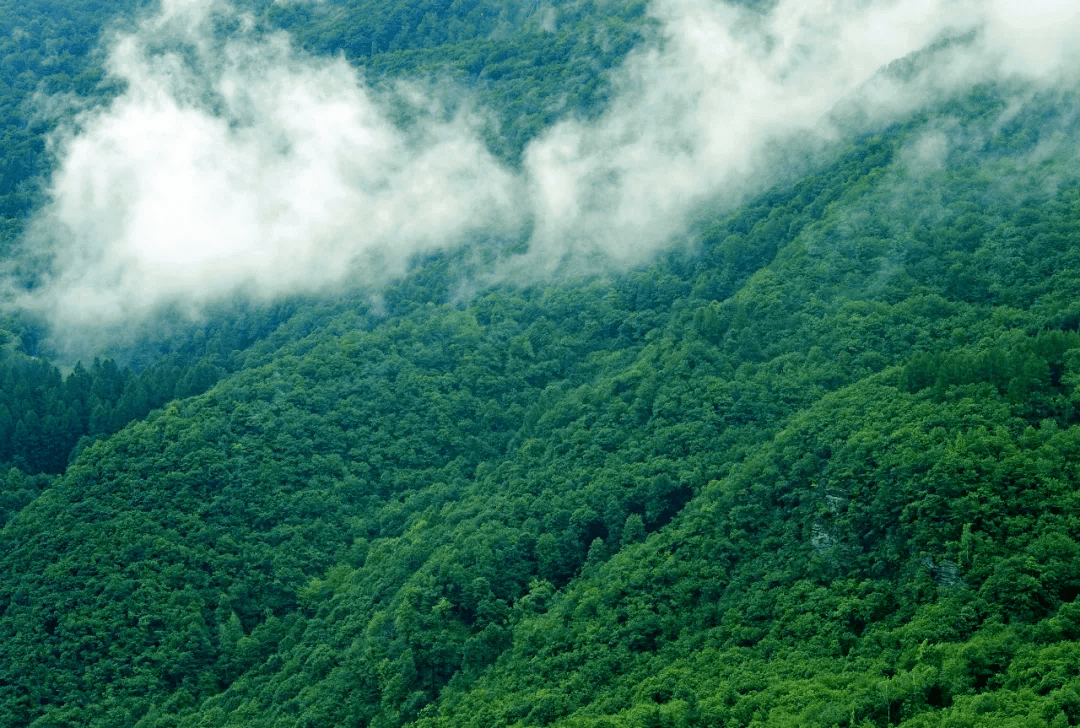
<point>818,464</point>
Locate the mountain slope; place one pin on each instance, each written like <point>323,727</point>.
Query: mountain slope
<point>815,467</point>
<point>816,472</point>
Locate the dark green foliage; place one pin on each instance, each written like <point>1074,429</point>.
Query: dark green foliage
<point>531,63</point>
<point>44,415</point>
<point>45,46</point>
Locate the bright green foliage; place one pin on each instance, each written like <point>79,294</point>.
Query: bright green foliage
<point>819,469</point>
<point>797,478</point>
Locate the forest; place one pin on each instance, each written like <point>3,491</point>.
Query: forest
<point>814,463</point>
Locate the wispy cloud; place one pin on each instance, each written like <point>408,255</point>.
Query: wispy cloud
<point>238,163</point>
<point>703,114</point>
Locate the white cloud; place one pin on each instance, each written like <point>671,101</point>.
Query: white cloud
<point>1033,38</point>
<point>244,165</point>
<point>704,114</point>
<point>248,167</point>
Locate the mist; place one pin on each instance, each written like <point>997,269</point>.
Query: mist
<point>236,164</point>
<point>240,165</point>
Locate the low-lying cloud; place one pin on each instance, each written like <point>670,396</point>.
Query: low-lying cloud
<point>236,163</point>
<point>242,164</point>
<point>700,117</point>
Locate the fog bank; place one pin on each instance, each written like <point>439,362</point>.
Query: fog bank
<point>238,164</point>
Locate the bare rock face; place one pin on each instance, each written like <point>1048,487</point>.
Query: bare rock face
<point>820,539</point>
<point>944,572</point>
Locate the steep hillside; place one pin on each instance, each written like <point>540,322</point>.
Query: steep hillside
<point>814,466</point>
<point>876,460</point>
<point>819,471</point>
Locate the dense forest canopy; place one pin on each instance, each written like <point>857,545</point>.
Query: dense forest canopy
<point>585,364</point>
